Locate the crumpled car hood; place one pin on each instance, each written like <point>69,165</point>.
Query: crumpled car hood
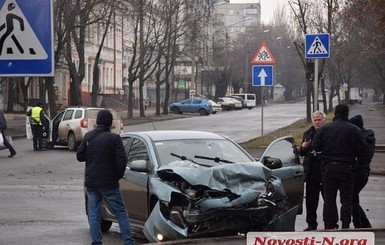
<point>232,198</point>
<point>236,177</point>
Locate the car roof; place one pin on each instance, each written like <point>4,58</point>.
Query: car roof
<point>88,108</point>
<point>175,135</point>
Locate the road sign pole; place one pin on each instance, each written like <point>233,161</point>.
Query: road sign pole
<point>315,106</point>
<point>262,101</point>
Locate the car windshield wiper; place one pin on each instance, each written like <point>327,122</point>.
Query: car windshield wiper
<point>215,159</point>
<point>183,158</point>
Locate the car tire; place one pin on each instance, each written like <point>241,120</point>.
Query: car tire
<point>202,112</point>
<point>105,225</point>
<point>71,142</point>
<point>213,112</point>
<point>176,110</point>
<point>45,143</point>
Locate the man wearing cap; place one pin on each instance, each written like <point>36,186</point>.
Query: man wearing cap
<point>360,220</point>
<point>339,144</point>
<point>36,117</point>
<point>106,160</point>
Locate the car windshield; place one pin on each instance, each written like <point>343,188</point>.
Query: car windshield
<point>92,113</point>
<point>198,152</point>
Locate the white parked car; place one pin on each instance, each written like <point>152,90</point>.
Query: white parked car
<point>215,106</point>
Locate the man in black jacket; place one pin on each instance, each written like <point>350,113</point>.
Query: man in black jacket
<point>312,168</point>
<point>106,161</point>
<point>3,127</point>
<point>360,220</point>
<point>340,144</point>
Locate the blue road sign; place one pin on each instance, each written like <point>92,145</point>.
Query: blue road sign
<point>26,38</point>
<point>262,75</point>
<point>317,46</point>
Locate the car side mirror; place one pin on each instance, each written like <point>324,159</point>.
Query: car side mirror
<point>138,166</point>
<point>272,163</point>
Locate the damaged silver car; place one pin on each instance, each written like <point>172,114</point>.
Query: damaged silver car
<point>190,184</point>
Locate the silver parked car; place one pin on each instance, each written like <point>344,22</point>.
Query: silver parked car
<point>189,184</point>
<point>214,106</point>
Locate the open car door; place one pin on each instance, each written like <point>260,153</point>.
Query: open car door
<point>292,172</point>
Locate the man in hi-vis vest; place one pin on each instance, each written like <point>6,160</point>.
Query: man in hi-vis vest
<point>36,117</point>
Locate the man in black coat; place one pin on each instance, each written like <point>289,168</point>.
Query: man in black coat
<point>3,127</point>
<point>312,168</point>
<point>106,161</point>
<point>339,144</point>
<point>360,220</point>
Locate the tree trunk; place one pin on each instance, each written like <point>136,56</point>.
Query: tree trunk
<point>49,81</point>
<point>130,100</point>
<point>95,86</point>
<point>11,93</point>
<point>308,101</point>
<point>24,88</point>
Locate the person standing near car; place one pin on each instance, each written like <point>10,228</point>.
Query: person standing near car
<point>339,144</point>
<point>105,158</point>
<point>360,220</point>
<point>3,127</point>
<point>312,169</point>
<point>36,119</point>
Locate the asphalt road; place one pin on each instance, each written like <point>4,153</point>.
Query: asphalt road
<point>241,126</point>
<point>42,198</point>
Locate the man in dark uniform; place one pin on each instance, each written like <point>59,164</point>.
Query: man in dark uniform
<point>312,168</point>
<point>36,118</point>
<point>360,220</point>
<point>339,144</point>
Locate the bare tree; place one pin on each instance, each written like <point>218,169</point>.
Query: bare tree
<point>110,7</point>
<point>366,20</point>
<point>77,16</point>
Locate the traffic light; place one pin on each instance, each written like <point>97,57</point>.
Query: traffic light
<point>310,71</point>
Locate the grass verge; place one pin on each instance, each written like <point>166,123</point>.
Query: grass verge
<point>296,130</point>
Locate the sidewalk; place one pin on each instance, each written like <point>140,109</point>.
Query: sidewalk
<point>373,114</point>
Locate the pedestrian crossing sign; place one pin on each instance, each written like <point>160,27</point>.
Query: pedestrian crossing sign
<point>26,38</point>
<point>317,46</point>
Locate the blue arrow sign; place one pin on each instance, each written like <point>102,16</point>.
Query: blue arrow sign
<point>26,38</point>
<point>262,75</point>
<point>317,46</point>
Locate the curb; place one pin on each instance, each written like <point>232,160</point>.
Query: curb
<point>379,148</point>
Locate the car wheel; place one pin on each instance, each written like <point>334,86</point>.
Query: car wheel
<point>45,143</point>
<point>71,141</point>
<point>202,112</point>
<point>214,112</point>
<point>105,225</point>
<point>176,110</point>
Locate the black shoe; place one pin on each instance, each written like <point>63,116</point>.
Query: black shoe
<point>12,155</point>
<point>345,226</point>
<point>311,228</point>
<point>331,227</point>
